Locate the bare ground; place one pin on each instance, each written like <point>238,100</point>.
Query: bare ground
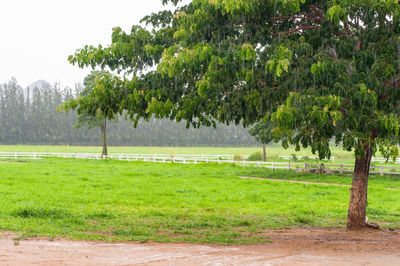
<point>304,182</point>
<point>295,181</point>
<point>295,246</point>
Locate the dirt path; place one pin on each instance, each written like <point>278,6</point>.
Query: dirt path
<point>296,246</point>
<point>295,181</point>
<point>304,182</point>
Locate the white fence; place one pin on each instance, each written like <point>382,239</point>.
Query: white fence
<point>383,160</point>
<point>193,159</point>
<point>299,157</point>
<point>118,156</point>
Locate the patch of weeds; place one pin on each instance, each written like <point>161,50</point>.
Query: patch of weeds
<point>16,240</point>
<point>153,213</point>
<point>240,223</point>
<point>303,219</point>
<point>137,231</point>
<point>43,213</point>
<point>322,193</point>
<point>185,191</point>
<point>238,157</point>
<point>376,212</point>
<point>19,161</point>
<point>257,156</point>
<point>100,215</point>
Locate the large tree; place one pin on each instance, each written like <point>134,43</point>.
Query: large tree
<point>324,70</point>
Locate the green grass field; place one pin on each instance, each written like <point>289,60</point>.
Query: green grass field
<point>203,203</point>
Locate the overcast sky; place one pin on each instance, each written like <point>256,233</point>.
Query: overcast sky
<point>37,36</point>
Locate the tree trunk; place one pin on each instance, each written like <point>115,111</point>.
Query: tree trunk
<point>264,153</point>
<point>359,190</point>
<point>104,137</point>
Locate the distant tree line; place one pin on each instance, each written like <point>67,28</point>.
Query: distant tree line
<point>29,116</point>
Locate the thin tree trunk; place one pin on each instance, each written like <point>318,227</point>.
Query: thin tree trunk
<point>264,153</point>
<point>104,137</point>
<point>359,190</point>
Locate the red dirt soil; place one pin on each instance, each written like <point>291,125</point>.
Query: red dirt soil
<point>295,246</point>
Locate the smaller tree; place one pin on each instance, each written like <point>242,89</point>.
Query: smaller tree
<point>94,105</point>
<point>261,131</point>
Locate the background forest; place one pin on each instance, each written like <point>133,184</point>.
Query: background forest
<point>29,116</point>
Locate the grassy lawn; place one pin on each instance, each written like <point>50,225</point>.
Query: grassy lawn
<point>136,201</point>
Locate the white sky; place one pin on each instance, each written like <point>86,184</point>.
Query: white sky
<point>37,36</point>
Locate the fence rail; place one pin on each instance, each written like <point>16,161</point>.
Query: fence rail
<point>194,159</point>
<point>299,157</point>
<point>384,160</point>
<point>124,156</point>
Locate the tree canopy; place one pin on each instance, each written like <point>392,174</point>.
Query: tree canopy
<point>323,70</point>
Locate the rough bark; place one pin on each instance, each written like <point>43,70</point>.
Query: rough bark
<point>264,153</point>
<point>356,216</point>
<point>104,137</point>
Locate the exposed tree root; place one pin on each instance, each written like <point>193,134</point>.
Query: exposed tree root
<point>372,225</point>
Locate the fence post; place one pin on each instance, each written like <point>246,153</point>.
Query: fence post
<point>333,159</point>
<point>341,168</point>
<point>15,155</point>
<point>288,165</point>
<point>381,171</point>
<point>273,166</point>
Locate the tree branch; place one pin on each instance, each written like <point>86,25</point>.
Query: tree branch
<point>316,11</point>
<point>318,20</point>
<point>309,27</point>
<point>394,82</point>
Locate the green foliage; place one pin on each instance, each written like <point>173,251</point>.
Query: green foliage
<point>262,131</point>
<point>256,156</point>
<point>337,13</point>
<point>279,61</point>
<point>325,70</point>
<point>238,157</point>
<point>85,118</point>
